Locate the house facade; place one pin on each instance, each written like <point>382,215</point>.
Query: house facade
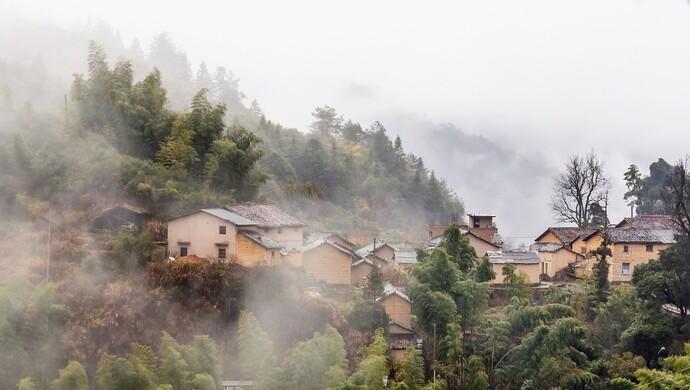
<point>555,258</point>
<point>527,262</point>
<point>327,261</point>
<point>480,231</point>
<point>401,333</point>
<point>223,235</point>
<point>630,247</point>
<point>633,241</point>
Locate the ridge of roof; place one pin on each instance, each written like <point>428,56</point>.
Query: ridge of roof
<point>513,257</point>
<point>362,261</point>
<point>394,322</point>
<point>566,234</point>
<point>370,248</point>
<point>324,241</point>
<point>391,290</point>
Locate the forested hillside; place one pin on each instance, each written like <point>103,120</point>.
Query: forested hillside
<point>335,175</point>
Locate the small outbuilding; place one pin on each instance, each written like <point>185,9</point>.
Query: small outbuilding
<point>120,216</point>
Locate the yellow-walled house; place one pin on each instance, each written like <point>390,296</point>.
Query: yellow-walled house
<point>398,307</point>
<point>208,233</point>
<point>378,248</point>
<point>480,230</point>
<point>361,269</point>
<point>526,262</point>
<point>271,237</point>
<point>564,236</point>
<point>254,249</point>
<point>405,259</point>
<point>555,258</point>
<point>631,247</point>
<point>633,241</point>
<point>481,246</point>
<point>274,223</point>
<point>328,262</point>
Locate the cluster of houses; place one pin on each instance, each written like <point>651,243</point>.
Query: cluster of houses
<point>265,235</point>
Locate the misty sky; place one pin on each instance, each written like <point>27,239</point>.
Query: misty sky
<point>542,78</point>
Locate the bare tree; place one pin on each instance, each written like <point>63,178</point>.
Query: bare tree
<point>576,190</point>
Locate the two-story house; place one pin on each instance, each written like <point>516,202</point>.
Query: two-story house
<point>633,241</point>
<point>249,234</point>
<point>480,231</point>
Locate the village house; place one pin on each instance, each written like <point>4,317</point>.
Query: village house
<point>382,255</point>
<point>398,307</point>
<point>330,260</point>
<point>249,234</point>
<point>568,237</point>
<point>360,271</point>
<point>555,257</point>
<point>526,262</point>
<point>630,247</point>
<point>405,259</point>
<point>633,241</point>
<point>480,231</point>
<point>377,251</point>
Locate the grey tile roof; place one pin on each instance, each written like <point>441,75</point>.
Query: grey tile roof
<point>326,241</point>
<point>406,257</point>
<point>365,250</point>
<point>568,234</point>
<point>546,247</point>
<point>262,240</point>
<point>635,235</point>
<point>226,215</point>
<point>389,290</point>
<point>265,215</point>
<point>513,257</point>
<point>650,222</point>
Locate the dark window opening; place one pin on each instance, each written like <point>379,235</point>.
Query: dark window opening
<point>625,249</point>
<point>221,253</point>
<point>650,247</point>
<point>221,229</point>
<point>183,251</point>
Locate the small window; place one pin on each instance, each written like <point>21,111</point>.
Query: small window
<point>583,249</point>
<point>183,251</point>
<point>625,269</point>
<point>626,249</point>
<point>221,253</point>
<point>476,222</point>
<point>222,229</point>
<point>649,248</point>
